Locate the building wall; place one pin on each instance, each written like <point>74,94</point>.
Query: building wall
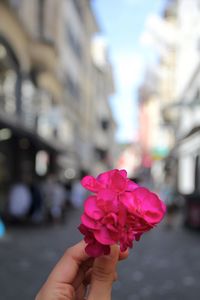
<point>183,115</point>
<point>188,13</point>
<point>60,84</point>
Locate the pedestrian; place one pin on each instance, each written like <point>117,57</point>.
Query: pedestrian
<point>54,198</point>
<point>168,196</point>
<point>36,209</point>
<point>2,228</point>
<point>58,201</point>
<point>77,276</point>
<point>19,201</point>
<point>78,193</point>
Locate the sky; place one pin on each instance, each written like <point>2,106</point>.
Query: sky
<point>123,24</point>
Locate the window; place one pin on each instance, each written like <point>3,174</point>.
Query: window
<point>196,99</point>
<point>41,5</point>
<point>15,3</point>
<point>74,43</point>
<point>101,154</point>
<point>197,174</point>
<point>105,124</point>
<point>78,8</point>
<point>73,87</point>
<point>10,79</point>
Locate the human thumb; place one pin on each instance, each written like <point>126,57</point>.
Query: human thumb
<point>103,275</point>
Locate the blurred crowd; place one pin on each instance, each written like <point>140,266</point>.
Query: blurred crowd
<point>50,199</point>
<point>44,201</point>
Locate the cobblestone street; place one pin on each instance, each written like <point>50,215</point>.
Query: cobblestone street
<point>164,265</point>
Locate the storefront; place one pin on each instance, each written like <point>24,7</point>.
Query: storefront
<point>189,176</point>
<point>10,105</point>
<point>23,155</point>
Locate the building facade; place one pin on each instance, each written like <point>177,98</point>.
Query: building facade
<point>47,83</point>
<point>177,91</point>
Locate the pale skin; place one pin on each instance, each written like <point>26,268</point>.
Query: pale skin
<point>76,274</point>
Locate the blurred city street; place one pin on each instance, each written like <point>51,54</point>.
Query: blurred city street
<point>163,265</point>
<point>86,87</point>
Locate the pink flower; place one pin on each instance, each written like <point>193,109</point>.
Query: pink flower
<point>118,212</point>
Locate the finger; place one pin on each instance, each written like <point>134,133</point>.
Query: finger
<point>54,291</point>
<point>103,274</point>
<point>80,277</point>
<point>67,268</point>
<point>88,277</point>
<point>123,255</point>
<point>80,293</point>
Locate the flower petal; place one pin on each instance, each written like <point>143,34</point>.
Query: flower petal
<point>91,208</point>
<point>131,185</point>
<point>118,182</point>
<point>104,178</point>
<point>89,222</point>
<point>107,200</point>
<point>127,199</point>
<point>123,173</point>
<point>103,236</point>
<point>122,215</point>
<point>151,207</point>
<point>91,184</point>
<point>96,249</point>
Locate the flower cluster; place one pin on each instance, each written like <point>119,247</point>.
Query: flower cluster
<point>118,212</point>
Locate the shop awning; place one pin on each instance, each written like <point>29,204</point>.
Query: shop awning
<point>38,141</point>
<point>190,143</point>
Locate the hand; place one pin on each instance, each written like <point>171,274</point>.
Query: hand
<point>77,274</point>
